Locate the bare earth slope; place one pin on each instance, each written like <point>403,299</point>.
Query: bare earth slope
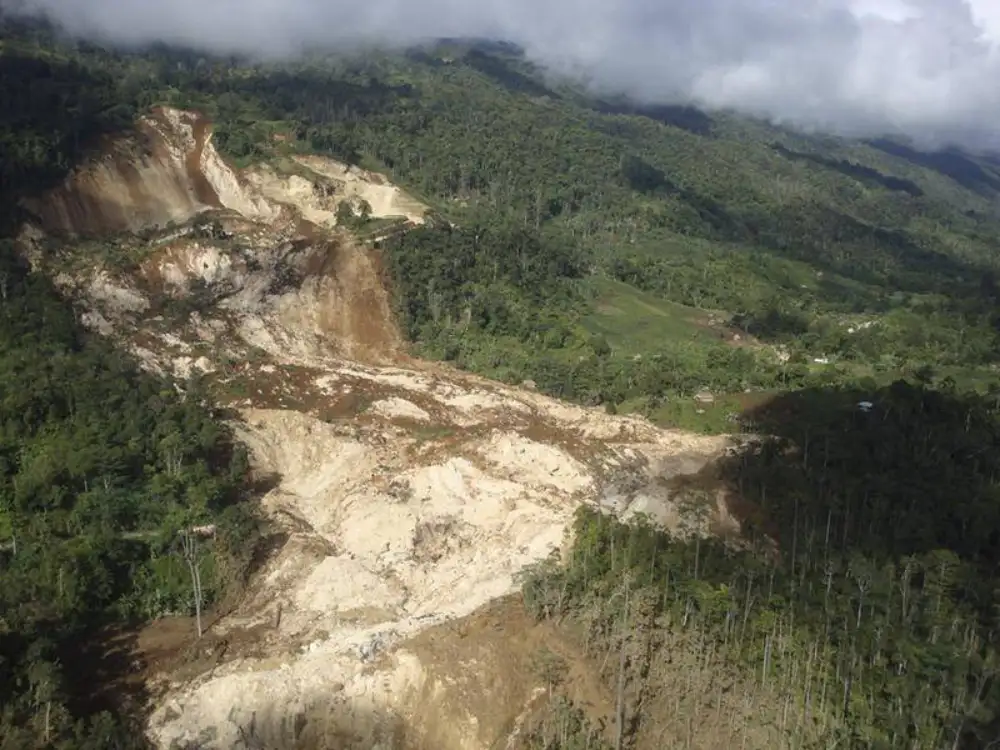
<point>408,495</point>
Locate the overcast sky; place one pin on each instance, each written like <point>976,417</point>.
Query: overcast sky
<point>927,68</point>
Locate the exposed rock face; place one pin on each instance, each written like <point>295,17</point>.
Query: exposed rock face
<point>328,183</point>
<point>168,172</point>
<point>408,496</point>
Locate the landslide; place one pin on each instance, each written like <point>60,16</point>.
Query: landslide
<point>406,497</point>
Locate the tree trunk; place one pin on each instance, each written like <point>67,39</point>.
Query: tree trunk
<point>620,692</point>
<point>190,547</point>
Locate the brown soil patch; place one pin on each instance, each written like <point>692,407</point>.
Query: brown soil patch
<point>492,662</point>
<point>124,664</point>
<point>136,184</point>
<point>203,189</point>
<point>547,433</point>
<point>359,311</point>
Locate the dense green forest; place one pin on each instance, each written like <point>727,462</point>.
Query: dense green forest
<point>611,253</point>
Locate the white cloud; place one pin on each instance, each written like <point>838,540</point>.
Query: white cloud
<point>927,68</point>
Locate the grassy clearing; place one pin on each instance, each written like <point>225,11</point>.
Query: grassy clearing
<point>635,322</point>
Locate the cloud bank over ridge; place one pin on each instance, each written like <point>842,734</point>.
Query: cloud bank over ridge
<point>925,68</point>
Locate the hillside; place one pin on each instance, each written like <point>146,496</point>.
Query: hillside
<point>792,241</point>
<point>322,309</point>
<point>868,256</point>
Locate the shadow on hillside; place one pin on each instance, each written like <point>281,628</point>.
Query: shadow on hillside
<point>500,72</point>
<point>916,472</point>
<point>320,97</point>
<point>833,241</point>
<point>314,98</point>
<point>914,475</point>
<point>684,117</point>
<point>639,175</point>
<point>115,673</point>
<point>849,494</point>
<point>859,172</point>
<point>950,163</point>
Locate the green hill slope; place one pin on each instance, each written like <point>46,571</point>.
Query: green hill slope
<point>873,256</point>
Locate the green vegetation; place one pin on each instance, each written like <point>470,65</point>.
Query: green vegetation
<point>876,261</point>
<point>100,468</point>
<point>635,322</point>
<point>875,624</point>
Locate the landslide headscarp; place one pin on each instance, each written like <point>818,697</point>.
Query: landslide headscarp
<point>167,172</point>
